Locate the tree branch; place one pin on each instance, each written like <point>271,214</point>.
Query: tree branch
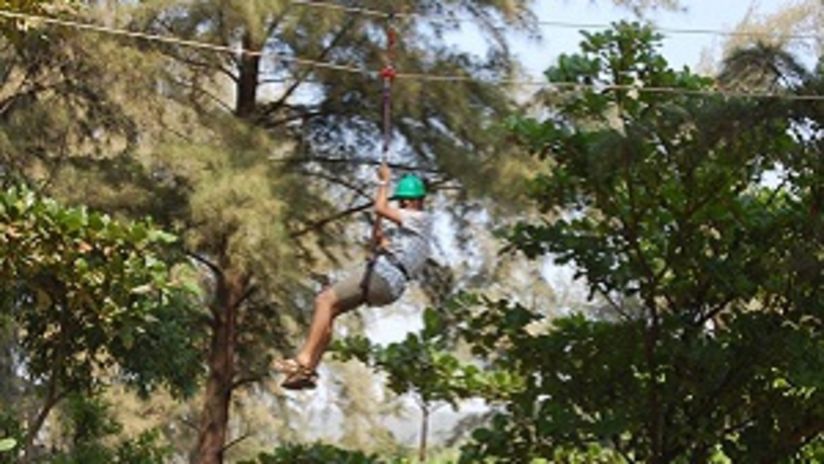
<point>245,380</point>
<point>287,119</point>
<point>283,80</point>
<point>246,295</point>
<point>235,442</point>
<point>204,65</point>
<point>52,398</point>
<point>298,81</point>
<point>321,223</point>
<point>212,266</point>
<point>334,180</point>
<point>618,309</point>
<point>198,90</point>
<point>190,424</point>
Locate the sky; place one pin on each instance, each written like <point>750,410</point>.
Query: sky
<point>679,49</point>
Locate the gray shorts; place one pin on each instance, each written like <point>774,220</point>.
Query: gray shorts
<point>350,293</point>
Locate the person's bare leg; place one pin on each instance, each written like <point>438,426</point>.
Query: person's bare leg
<point>324,343</point>
<point>320,332</point>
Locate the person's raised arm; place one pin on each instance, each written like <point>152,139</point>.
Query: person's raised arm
<point>382,207</point>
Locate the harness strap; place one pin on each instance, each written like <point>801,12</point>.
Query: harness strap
<point>370,268</point>
<point>367,276</point>
<point>393,260</point>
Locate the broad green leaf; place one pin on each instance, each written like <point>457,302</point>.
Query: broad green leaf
<point>7,444</point>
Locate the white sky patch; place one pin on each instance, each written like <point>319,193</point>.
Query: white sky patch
<point>445,242</point>
<point>569,292</point>
<point>442,421</point>
<point>772,179</point>
<point>392,324</point>
<point>679,49</point>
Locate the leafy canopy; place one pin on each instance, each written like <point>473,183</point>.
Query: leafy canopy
<point>711,270</point>
<point>89,293</point>
<point>92,432</point>
<point>317,453</point>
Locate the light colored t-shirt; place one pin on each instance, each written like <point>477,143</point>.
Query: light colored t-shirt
<point>409,243</point>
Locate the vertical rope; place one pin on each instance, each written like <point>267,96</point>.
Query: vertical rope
<point>388,73</point>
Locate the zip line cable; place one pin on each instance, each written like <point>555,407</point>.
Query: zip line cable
<point>225,49</point>
<point>546,23</point>
<point>172,40</point>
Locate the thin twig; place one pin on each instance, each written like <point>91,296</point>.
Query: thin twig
<point>212,266</point>
<point>235,442</point>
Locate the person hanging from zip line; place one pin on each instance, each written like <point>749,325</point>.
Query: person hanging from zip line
<point>398,258</point>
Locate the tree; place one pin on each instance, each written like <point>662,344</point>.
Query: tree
<point>90,298</point>
<point>713,274</point>
<point>422,365</point>
<point>91,429</point>
<point>791,28</point>
<point>799,19</point>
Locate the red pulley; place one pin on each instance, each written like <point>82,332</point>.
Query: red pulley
<point>388,72</point>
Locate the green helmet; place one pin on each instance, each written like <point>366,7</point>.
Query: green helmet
<point>410,187</point>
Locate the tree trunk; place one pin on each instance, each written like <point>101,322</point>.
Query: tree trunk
<point>248,80</point>
<point>51,400</point>
<point>214,419</point>
<point>231,289</point>
<point>655,423</point>
<point>424,432</point>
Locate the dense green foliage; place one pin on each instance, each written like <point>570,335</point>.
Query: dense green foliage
<point>88,292</point>
<point>90,427</point>
<point>89,301</point>
<point>317,453</point>
<point>713,276</point>
<point>13,434</point>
